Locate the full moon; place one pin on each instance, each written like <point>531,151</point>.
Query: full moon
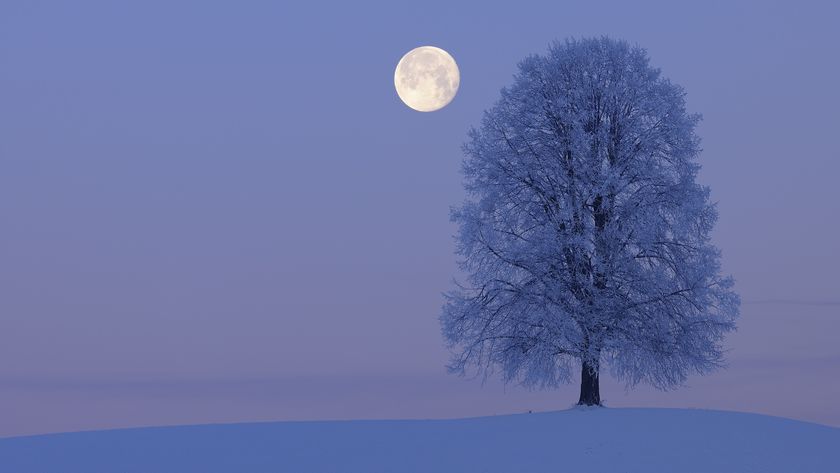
<point>427,78</point>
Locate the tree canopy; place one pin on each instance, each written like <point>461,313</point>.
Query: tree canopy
<point>585,237</point>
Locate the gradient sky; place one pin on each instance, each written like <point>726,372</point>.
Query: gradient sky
<point>221,211</point>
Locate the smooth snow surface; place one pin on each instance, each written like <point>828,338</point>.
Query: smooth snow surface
<point>594,440</point>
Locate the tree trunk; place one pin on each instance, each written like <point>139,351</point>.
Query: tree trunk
<point>590,389</point>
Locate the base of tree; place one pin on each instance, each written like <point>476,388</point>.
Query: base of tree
<point>588,405</point>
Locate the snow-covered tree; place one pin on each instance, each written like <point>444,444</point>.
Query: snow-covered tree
<point>584,237</point>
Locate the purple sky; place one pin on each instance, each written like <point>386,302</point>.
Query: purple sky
<point>221,211</point>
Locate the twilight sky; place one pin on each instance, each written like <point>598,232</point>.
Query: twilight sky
<point>221,211</point>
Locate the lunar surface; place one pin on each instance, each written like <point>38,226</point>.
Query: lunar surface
<point>427,78</point>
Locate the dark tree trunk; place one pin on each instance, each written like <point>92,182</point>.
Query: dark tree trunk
<point>590,389</point>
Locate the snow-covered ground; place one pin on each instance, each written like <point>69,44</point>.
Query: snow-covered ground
<point>593,440</point>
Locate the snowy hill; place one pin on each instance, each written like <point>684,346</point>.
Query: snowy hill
<point>596,440</point>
